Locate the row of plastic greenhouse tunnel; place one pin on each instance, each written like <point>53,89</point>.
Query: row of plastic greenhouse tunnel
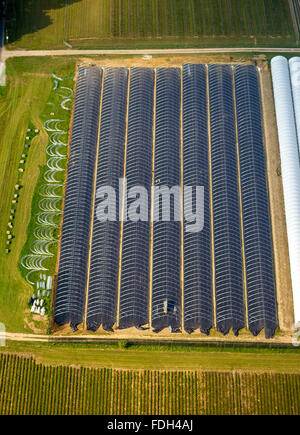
<point>198,126</point>
<point>286,85</point>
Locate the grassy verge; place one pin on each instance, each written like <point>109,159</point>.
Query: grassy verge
<point>160,357</point>
<point>22,102</point>
<point>53,111</point>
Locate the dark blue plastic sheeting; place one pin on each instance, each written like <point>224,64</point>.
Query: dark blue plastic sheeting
<point>166,289</point>
<point>198,303</point>
<point>261,298</point>
<point>103,280</point>
<point>134,290</point>
<point>229,290</point>
<point>71,283</point>
<point>209,138</point>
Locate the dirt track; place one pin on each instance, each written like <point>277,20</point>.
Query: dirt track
<point>144,338</point>
<point>6,54</point>
<point>277,209</point>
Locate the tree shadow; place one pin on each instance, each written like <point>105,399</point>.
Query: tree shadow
<point>28,16</point>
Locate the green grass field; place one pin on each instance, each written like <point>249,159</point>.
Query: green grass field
<point>154,357</point>
<point>151,23</point>
<point>22,102</point>
<point>30,388</point>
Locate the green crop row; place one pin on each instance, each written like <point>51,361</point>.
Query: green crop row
<point>150,23</point>
<point>30,388</point>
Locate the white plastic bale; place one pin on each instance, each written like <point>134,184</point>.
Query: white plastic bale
<point>49,283</point>
<point>290,168</point>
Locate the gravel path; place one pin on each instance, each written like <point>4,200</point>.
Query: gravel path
<point>184,51</point>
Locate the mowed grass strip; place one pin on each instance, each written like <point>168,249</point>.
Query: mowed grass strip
<point>22,102</point>
<point>76,391</point>
<point>159,357</point>
<point>151,23</point>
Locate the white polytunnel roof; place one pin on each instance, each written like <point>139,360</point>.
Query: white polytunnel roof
<point>294,64</point>
<point>290,166</point>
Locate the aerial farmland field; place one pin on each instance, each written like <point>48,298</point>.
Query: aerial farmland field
<point>32,260</point>
<point>23,101</point>
<point>151,23</point>
<point>129,312</point>
<point>28,387</point>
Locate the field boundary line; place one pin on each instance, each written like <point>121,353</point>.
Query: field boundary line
<point>6,54</point>
<point>201,341</point>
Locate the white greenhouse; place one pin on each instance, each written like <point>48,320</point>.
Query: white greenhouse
<point>290,166</point>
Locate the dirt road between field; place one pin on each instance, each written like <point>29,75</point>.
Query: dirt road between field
<point>6,54</point>
<point>281,340</point>
<point>277,209</point>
